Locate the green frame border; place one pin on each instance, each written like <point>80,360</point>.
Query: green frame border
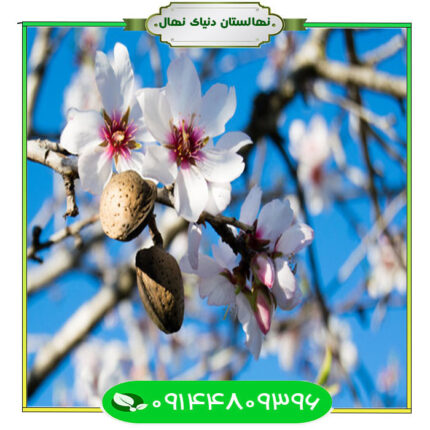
<point>408,26</point>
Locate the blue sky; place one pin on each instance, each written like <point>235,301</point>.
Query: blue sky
<point>48,310</point>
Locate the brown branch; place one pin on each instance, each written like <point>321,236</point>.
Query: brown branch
<point>77,327</point>
<point>51,154</point>
<point>363,129</point>
<point>45,152</point>
<point>390,150</point>
<point>218,222</point>
<point>61,262</point>
<point>384,51</point>
<point>383,123</point>
<point>361,76</point>
<point>40,55</point>
<point>156,237</point>
<point>71,230</point>
<point>44,47</point>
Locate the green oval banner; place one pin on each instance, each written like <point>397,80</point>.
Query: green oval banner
<point>217,401</point>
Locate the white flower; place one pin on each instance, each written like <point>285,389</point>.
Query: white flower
<point>387,273</point>
<point>100,139</point>
<point>90,38</point>
<point>184,123</point>
<point>282,237</point>
<point>253,287</point>
<point>311,148</point>
<point>217,283</point>
<point>336,337</point>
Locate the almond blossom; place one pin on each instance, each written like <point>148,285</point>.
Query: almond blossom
<point>388,269</point>
<point>107,139</point>
<point>184,123</point>
<point>311,148</point>
<point>253,288</point>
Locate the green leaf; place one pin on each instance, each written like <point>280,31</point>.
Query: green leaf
<point>123,400</point>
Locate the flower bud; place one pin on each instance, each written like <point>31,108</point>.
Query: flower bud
<point>264,270</point>
<point>263,310</point>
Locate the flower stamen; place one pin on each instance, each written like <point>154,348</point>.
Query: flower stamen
<point>118,135</point>
<point>186,141</point>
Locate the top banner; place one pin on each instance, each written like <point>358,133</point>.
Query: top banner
<point>214,24</point>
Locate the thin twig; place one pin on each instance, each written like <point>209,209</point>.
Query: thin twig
<point>356,95</point>
<point>71,230</point>
<point>155,234</point>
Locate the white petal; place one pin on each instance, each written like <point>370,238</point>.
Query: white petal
<point>95,169</point>
<point>156,112</point>
<point>219,197</point>
<point>194,238</point>
<point>254,337</point>
<point>82,129</point>
<point>158,164</point>
<point>124,75</point>
<point>190,193</point>
<point>251,205</point>
<point>318,128</point>
<point>220,166</point>
<point>218,106</point>
<point>316,146</point>
<point>207,268</point>
<point>295,238</point>
<point>233,141</point>
<point>183,88</point>
<point>134,162</point>
<point>224,255</point>
<point>136,116</point>
<point>315,199</point>
<point>218,290</point>
<point>296,133</point>
<point>107,84</point>
<point>400,280</point>
<point>285,287</point>
<point>275,217</point>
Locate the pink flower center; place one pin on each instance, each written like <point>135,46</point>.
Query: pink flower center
<point>317,175</point>
<point>118,135</point>
<point>185,142</point>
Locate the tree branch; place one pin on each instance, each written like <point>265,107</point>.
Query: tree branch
<point>71,230</point>
<point>77,327</point>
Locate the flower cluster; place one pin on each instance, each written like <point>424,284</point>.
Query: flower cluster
<point>167,135</point>
<point>255,286</point>
<point>178,117</point>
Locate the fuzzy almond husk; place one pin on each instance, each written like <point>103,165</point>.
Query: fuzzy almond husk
<point>125,204</point>
<point>161,288</point>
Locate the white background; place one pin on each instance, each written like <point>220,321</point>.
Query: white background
<point>10,197</point>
